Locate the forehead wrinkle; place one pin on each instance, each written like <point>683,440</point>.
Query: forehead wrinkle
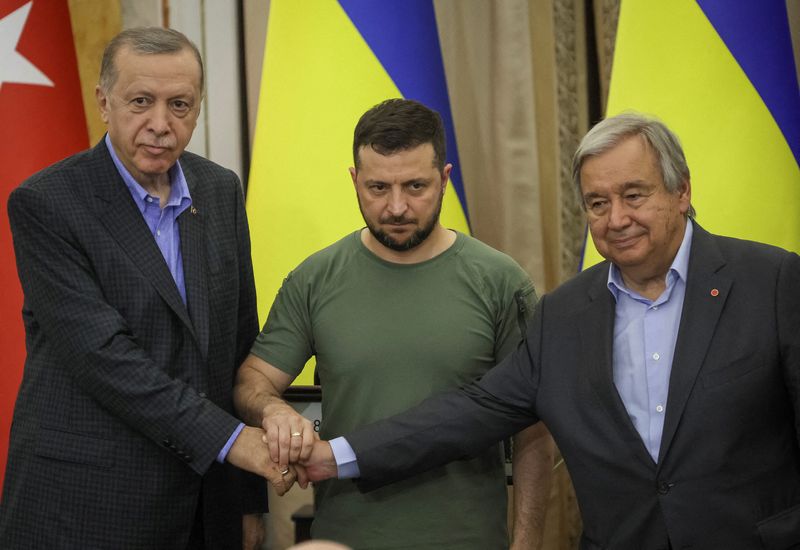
<point>635,184</point>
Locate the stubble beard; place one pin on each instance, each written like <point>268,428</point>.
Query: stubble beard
<point>417,238</point>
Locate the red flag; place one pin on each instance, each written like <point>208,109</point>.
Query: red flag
<point>41,121</point>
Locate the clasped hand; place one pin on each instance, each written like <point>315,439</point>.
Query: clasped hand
<point>295,447</point>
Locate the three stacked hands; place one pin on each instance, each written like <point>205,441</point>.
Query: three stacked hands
<point>286,449</point>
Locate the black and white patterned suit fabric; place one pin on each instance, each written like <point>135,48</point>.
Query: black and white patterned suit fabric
<point>126,396</point>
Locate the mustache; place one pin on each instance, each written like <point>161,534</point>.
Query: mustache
<point>397,219</point>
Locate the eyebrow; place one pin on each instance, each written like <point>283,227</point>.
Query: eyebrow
<point>407,182</point>
<point>635,184</point>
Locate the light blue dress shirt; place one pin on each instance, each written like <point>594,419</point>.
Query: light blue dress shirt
<point>162,222</point>
<point>645,332</point>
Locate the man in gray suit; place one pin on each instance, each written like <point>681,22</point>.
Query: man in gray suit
<point>669,375</point>
<point>134,259</point>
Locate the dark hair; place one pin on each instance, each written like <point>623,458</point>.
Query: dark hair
<point>397,125</point>
<point>145,40</point>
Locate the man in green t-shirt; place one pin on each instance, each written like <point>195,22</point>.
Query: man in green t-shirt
<point>394,313</point>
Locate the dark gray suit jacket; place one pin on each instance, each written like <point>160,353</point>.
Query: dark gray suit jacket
<point>126,396</point>
<point>728,474</point>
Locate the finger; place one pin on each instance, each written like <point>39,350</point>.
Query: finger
<point>275,478</point>
<point>307,444</point>
<point>284,438</point>
<point>296,442</point>
<point>289,479</point>
<point>273,432</point>
<point>302,476</point>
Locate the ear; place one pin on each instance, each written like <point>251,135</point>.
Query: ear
<point>446,176</point>
<point>102,103</point>
<point>354,176</point>
<point>685,196</point>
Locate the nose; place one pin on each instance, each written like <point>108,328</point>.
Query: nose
<point>397,204</point>
<point>618,217</point>
<point>159,122</point>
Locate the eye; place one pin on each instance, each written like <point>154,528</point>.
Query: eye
<point>597,206</point>
<point>635,198</point>
<point>376,187</point>
<point>140,101</point>
<point>181,106</point>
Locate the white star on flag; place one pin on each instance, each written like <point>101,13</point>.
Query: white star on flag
<point>13,66</point>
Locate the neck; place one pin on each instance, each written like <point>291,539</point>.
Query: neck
<point>157,186</point>
<point>437,242</point>
<point>649,287</point>
<point>648,280</point>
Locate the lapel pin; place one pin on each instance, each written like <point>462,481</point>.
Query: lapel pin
<point>714,292</point>
<point>193,210</point>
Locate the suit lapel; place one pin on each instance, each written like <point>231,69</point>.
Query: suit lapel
<point>192,228</point>
<point>117,211</point>
<point>706,293</point>
<point>596,326</point>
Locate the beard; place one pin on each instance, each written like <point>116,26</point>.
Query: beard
<point>416,238</point>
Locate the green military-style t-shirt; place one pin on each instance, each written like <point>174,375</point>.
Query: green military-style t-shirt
<point>385,337</point>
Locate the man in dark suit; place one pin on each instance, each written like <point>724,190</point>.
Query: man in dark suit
<point>134,259</point>
<point>669,375</point>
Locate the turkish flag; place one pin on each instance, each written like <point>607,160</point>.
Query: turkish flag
<point>41,121</point>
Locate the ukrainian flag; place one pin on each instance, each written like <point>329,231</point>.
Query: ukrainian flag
<point>721,75</point>
<point>325,63</point>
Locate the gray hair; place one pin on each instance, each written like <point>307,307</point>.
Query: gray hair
<point>609,133</point>
<point>145,40</point>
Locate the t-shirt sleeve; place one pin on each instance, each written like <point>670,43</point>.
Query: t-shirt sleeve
<point>518,300</point>
<point>286,341</point>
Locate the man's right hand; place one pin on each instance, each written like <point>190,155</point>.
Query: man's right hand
<point>249,453</point>
<point>321,464</point>
<point>257,392</point>
<point>289,436</point>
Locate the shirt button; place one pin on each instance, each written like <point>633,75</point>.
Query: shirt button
<point>659,408</point>
<point>149,199</point>
<point>158,232</point>
<point>656,356</point>
<point>655,308</point>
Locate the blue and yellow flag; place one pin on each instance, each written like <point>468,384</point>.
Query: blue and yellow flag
<point>326,62</point>
<point>722,76</point>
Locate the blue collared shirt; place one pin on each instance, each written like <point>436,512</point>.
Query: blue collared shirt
<point>645,332</point>
<point>163,222</point>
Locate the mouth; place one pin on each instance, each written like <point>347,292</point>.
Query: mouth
<point>155,150</point>
<point>625,242</point>
<point>395,222</point>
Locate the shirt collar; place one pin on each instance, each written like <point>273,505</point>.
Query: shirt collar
<point>179,189</point>
<point>679,268</point>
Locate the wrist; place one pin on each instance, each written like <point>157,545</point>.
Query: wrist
<point>270,406</point>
